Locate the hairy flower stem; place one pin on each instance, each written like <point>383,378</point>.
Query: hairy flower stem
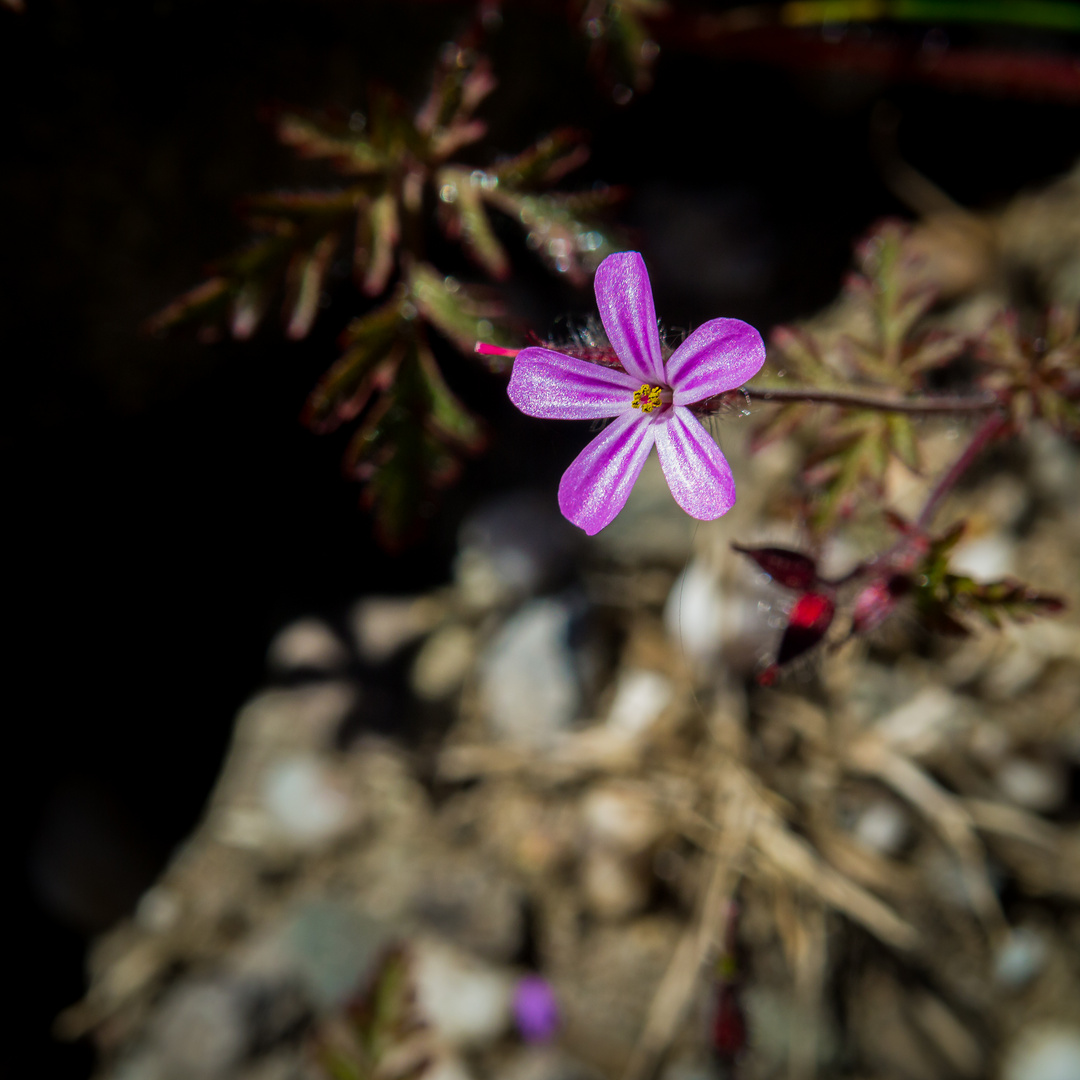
<point>943,404</point>
<point>987,431</point>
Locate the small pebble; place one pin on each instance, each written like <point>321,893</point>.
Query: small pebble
<point>989,558</point>
<point>466,1003</point>
<point>694,612</point>
<point>301,798</point>
<point>883,827</point>
<point>640,697</point>
<point>528,684</point>
<point>307,644</point>
<point>443,662</point>
<point>1020,958</point>
<point>621,817</point>
<point>159,909</point>
<point>1035,785</point>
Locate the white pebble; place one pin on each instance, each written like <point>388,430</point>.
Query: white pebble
<point>989,558</point>
<point>621,817</point>
<point>466,1003</point>
<point>300,797</point>
<point>1020,958</point>
<point>1035,785</point>
<point>693,614</point>
<point>306,643</point>
<point>882,827</point>
<point>640,697</point>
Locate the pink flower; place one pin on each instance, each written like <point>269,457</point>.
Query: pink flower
<point>648,401</point>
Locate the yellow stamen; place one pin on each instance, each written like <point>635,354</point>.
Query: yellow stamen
<point>647,398</point>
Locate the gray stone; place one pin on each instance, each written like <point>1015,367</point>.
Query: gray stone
<point>528,684</point>
<point>200,1030</point>
<point>1020,958</point>
<point>330,948</point>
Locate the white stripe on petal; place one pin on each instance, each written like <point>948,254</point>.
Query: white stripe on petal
<point>694,467</point>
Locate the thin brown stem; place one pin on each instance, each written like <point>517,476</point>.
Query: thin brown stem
<point>990,428</point>
<point>942,404</point>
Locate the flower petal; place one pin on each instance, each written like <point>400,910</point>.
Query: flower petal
<point>695,469</point>
<point>598,483</point>
<point>719,355</point>
<point>558,387</point>
<point>624,297</point>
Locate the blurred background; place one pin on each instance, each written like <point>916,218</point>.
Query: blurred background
<point>168,510</point>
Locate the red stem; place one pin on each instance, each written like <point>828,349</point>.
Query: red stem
<point>990,428</point>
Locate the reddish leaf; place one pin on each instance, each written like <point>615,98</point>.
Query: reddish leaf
<point>791,569</point>
<point>808,623</point>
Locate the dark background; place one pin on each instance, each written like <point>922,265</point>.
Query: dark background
<point>168,511</point>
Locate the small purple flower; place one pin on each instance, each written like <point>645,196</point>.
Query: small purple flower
<point>648,401</point>
<point>536,1012</point>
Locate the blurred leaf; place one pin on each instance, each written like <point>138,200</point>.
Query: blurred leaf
<point>457,311</point>
<point>205,302</point>
<point>902,441</point>
<point>956,595</point>
<point>791,569</point>
<point>800,354</point>
<point>413,430</point>
<point>856,458</point>
<point>944,599</point>
<point>621,49</point>
<point>463,78</point>
<point>374,1028</point>
<point>934,349</point>
<point>366,365</point>
<point>547,161</point>
<point>1055,14</point>
<point>407,448</point>
<point>307,272</point>
<point>461,209</point>
<point>570,242</point>
<point>846,449</point>
<point>384,231</point>
<point>447,418</point>
<point>249,308</point>
<point>784,422</point>
<point>298,206</point>
<point>348,153</point>
<point>1036,377</point>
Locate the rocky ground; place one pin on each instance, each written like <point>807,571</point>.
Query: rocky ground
<point>560,765</point>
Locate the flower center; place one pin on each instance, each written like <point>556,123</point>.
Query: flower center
<point>646,399</point>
